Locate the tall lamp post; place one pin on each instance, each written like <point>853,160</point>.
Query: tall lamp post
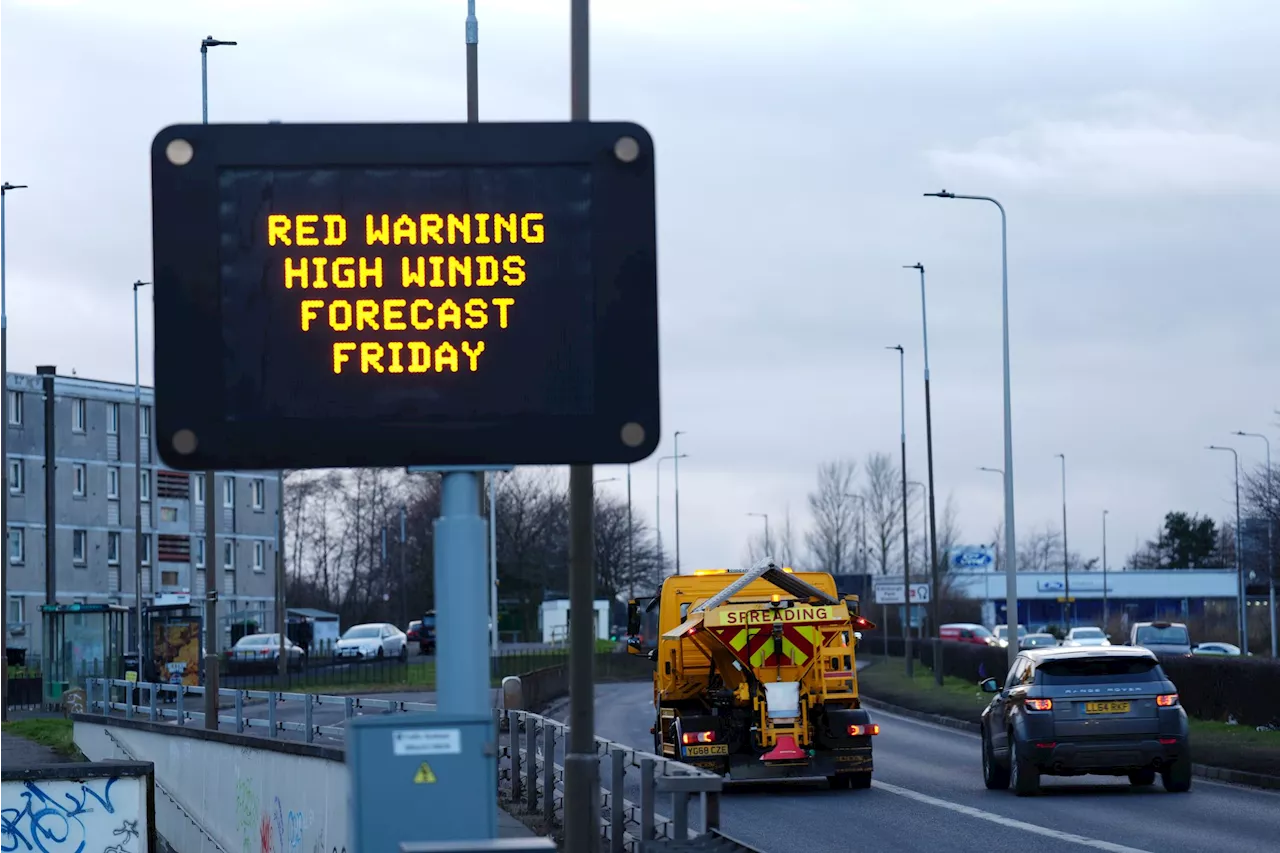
<point>768,546</point>
<point>631,537</point>
<point>4,425</point>
<point>1244,621</point>
<point>928,440</point>
<point>1010,541</point>
<point>906,539</point>
<point>1105,613</point>
<point>676,463</point>
<point>138,550</point>
<point>1011,559</point>
<point>1271,553</point>
<point>657,514</point>
<point>1066,558</point>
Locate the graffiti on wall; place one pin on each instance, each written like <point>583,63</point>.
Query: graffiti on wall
<point>266,826</point>
<point>51,815</point>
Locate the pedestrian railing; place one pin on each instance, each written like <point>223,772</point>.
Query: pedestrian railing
<point>184,704</point>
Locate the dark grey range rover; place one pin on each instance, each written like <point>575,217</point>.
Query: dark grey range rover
<point>1076,711</point>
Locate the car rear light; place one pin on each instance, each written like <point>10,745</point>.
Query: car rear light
<point>859,731</point>
<point>698,737</point>
<point>1047,744</point>
<point>1167,700</point>
<point>1040,704</point>
<point>1168,741</point>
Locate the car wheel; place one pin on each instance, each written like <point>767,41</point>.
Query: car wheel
<point>994,775</point>
<point>1024,777</point>
<point>381,652</point>
<point>1143,777</point>
<point>1177,776</point>
<point>404,653</point>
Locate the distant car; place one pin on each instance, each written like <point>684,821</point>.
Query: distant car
<point>1001,633</point>
<point>967,632</point>
<point>427,634</point>
<point>1077,637</point>
<point>262,652</point>
<point>411,633</point>
<point>1164,638</point>
<point>372,640</point>
<point>1225,649</point>
<point>1037,641</point>
<point>1077,711</point>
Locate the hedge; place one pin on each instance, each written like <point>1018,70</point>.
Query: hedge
<point>1210,688</point>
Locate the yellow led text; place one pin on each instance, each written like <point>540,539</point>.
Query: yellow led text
<point>306,229</point>
<point>394,315</point>
<point>408,356</point>
<point>345,273</point>
<point>451,229</point>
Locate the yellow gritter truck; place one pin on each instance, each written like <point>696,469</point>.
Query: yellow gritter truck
<point>755,675</point>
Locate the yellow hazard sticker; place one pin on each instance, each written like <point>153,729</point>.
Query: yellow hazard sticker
<point>425,775</point>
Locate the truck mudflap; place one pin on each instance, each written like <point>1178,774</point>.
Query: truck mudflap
<point>823,763</point>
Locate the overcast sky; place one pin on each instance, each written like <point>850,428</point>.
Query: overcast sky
<point>1136,147</point>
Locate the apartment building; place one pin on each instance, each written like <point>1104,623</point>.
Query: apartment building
<point>96,448</point>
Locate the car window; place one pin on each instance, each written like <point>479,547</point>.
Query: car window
<point>966,633</point>
<point>980,631</point>
<point>1015,674</point>
<point>361,632</point>
<point>255,640</point>
<point>1087,633</point>
<point>1174,635</point>
<point>1099,670</point>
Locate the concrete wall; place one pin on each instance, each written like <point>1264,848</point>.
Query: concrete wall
<point>248,794</point>
<point>75,807</point>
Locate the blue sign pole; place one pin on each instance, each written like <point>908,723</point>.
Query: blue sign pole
<point>462,598</point>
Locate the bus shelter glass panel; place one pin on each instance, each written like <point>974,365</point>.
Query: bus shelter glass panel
<point>81,642</point>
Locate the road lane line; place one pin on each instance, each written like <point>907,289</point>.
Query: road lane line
<point>1001,820</point>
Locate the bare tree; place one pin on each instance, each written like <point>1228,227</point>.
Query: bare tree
<point>831,541</point>
<point>882,493</point>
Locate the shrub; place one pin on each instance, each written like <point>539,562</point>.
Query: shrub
<point>1247,689</point>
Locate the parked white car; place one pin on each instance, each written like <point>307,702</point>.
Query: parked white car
<point>372,640</point>
<point>1087,636</point>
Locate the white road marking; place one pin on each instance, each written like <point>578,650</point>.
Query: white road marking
<point>1001,820</point>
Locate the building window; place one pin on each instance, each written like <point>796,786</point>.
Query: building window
<point>229,492</point>
<point>15,407</point>
<point>146,485</point>
<point>81,476</point>
<point>259,556</point>
<point>259,494</point>
<point>200,552</point>
<point>168,579</point>
<point>16,610</point>
<point>113,418</point>
<point>79,547</point>
<point>168,514</point>
<point>77,414</point>
<point>146,549</point>
<point>198,484</point>
<point>144,426</point>
<point>113,548</point>
<point>113,482</point>
<point>17,484</point>
<point>229,555</point>
<point>17,545</point>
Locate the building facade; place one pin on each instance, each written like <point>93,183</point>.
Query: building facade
<point>96,440</point>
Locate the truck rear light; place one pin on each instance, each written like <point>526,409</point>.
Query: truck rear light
<point>859,731</point>
<point>1167,700</point>
<point>1040,704</point>
<point>698,737</point>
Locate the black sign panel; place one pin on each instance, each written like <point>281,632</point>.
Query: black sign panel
<point>390,295</point>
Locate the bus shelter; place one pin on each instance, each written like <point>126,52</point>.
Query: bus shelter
<point>81,641</point>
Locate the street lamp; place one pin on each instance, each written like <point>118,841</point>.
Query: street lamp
<point>1105,613</point>
<point>206,43</point>
<point>4,425</point>
<point>767,544</point>
<point>1244,623</point>
<point>1010,542</point>
<point>1271,554</point>
<point>676,464</point>
<point>137,474</point>
<point>906,540</point>
<point>657,512</point>
<point>1066,559</point>
<point>928,440</point>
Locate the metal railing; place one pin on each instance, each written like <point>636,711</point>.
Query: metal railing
<point>644,799</point>
<point>531,777</point>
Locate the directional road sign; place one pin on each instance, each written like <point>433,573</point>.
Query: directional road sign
<point>893,593</point>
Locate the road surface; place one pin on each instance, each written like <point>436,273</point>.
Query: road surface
<point>927,795</point>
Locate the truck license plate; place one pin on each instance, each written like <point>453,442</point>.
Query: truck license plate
<point>712,749</point>
<point>1106,707</point>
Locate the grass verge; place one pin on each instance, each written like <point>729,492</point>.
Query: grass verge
<point>53,732</point>
<point>1212,743</point>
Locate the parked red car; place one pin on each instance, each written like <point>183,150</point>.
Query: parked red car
<point>968,632</point>
<point>411,633</point>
